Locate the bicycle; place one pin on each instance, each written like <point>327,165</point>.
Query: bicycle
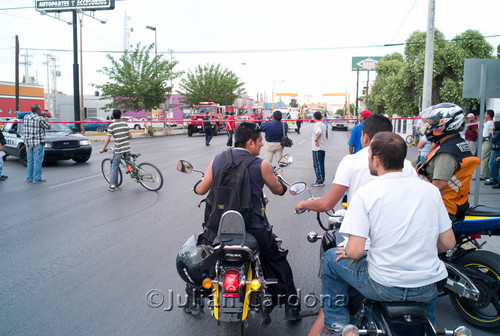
<point>147,174</point>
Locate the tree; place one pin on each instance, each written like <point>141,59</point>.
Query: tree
<point>293,103</point>
<point>210,83</point>
<point>137,82</point>
<point>399,83</point>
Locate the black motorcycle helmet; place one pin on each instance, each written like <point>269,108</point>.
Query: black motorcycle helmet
<point>444,119</point>
<point>194,262</point>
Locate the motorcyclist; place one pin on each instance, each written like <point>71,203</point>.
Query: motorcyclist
<point>248,141</point>
<point>450,166</point>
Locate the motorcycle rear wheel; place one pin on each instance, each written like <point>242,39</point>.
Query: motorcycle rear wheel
<point>485,313</point>
<point>231,328</point>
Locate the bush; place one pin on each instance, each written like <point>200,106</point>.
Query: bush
<point>151,130</point>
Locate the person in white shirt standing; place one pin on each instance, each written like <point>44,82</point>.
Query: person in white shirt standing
<point>318,149</point>
<point>402,262</point>
<point>486,147</point>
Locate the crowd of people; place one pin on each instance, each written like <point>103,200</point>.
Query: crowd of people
<point>384,202</point>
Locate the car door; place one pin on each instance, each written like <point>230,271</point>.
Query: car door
<point>13,138</point>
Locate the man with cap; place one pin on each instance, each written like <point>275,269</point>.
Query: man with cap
<point>355,140</point>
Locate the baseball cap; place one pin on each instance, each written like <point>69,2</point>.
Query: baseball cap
<point>365,113</point>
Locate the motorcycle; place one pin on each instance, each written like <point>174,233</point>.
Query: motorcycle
<point>237,284</point>
<point>473,283</point>
<point>371,317</point>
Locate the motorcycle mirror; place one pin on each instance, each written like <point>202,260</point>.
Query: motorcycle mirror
<point>285,160</point>
<point>313,237</point>
<point>184,167</point>
<point>297,188</point>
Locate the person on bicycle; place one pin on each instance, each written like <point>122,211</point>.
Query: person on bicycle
<point>450,166</point>
<point>402,263</point>
<point>248,141</point>
<point>121,136</point>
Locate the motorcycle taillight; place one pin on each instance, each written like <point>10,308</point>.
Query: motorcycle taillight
<point>231,281</point>
<point>475,236</point>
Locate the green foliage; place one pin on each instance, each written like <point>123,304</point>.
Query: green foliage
<point>293,103</point>
<point>211,83</point>
<point>150,130</point>
<point>399,83</point>
<point>136,81</point>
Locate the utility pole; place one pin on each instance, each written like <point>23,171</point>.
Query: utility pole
<point>76,91</point>
<point>429,56</point>
<point>17,73</point>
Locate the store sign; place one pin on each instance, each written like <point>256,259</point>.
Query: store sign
<point>365,63</point>
<point>70,5</point>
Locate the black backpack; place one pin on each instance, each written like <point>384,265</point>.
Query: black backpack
<point>230,191</point>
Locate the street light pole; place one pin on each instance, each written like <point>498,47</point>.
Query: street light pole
<point>153,28</point>
<point>156,54</point>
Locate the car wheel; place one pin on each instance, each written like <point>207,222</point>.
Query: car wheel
<point>23,158</point>
<point>190,131</point>
<point>99,129</point>
<point>137,127</point>
<point>81,159</point>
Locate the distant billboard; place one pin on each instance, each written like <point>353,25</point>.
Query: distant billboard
<point>70,5</point>
<point>365,63</point>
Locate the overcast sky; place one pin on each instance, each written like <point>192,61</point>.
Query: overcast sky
<point>302,47</point>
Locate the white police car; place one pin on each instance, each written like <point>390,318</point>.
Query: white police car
<point>61,142</point>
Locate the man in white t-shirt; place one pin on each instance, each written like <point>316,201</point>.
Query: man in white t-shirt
<point>318,149</point>
<point>402,263</point>
<point>486,147</point>
<point>353,171</point>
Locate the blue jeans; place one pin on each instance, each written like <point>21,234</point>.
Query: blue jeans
<point>115,165</point>
<point>229,138</point>
<point>493,166</point>
<point>338,277</point>
<point>34,155</point>
<point>319,165</point>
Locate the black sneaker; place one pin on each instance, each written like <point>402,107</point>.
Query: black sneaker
<point>496,186</point>
<point>3,177</point>
<point>491,182</point>
<point>193,308</point>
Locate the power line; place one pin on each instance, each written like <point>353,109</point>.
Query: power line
<point>186,52</point>
<point>14,8</point>
<point>404,20</point>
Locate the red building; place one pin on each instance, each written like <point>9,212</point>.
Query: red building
<point>29,94</point>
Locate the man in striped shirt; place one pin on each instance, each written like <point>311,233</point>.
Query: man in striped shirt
<point>121,136</point>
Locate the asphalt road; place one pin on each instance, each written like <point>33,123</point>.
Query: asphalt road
<point>77,259</point>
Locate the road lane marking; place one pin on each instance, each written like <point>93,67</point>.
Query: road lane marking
<point>75,181</point>
<point>300,143</point>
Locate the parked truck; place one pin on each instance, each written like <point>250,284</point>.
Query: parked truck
<point>216,113</point>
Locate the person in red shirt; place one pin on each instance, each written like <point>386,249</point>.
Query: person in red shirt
<point>230,129</point>
<point>471,133</point>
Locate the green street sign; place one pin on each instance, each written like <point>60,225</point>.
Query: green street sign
<point>365,63</point>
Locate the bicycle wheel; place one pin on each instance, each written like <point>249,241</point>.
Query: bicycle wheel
<point>409,139</point>
<point>106,171</point>
<point>149,176</point>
